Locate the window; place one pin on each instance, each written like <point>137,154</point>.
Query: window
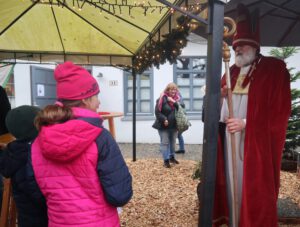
<point>8,82</point>
<point>144,93</point>
<point>189,75</point>
<point>10,90</point>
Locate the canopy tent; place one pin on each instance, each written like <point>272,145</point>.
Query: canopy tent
<point>279,20</point>
<point>95,32</point>
<point>87,32</point>
<point>44,31</point>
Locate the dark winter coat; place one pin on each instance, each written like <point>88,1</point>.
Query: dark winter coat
<point>4,108</point>
<point>32,211</point>
<point>166,113</point>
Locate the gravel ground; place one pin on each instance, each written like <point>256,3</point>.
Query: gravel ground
<point>162,197</point>
<point>151,150</point>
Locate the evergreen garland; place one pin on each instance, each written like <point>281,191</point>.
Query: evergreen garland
<point>168,49</point>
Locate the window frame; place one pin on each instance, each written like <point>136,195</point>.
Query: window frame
<point>191,85</point>
<point>139,99</point>
<point>10,88</point>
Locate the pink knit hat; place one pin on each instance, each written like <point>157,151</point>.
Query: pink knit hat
<point>74,82</point>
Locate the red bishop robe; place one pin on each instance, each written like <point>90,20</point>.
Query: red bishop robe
<point>268,111</point>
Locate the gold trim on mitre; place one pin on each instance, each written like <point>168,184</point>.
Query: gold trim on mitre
<point>245,40</point>
<point>240,18</point>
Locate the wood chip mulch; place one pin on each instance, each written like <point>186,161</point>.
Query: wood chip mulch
<point>290,187</point>
<point>168,198</point>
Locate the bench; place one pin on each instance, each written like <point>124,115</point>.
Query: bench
<point>8,215</point>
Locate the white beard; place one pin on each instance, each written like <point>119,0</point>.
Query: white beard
<point>246,58</point>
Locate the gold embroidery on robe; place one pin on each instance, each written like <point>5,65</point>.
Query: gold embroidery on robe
<point>238,89</point>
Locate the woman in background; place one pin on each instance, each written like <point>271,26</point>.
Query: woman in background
<point>165,123</point>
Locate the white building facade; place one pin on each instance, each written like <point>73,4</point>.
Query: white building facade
<point>116,92</point>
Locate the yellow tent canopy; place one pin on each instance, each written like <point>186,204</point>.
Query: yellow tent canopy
<point>96,32</point>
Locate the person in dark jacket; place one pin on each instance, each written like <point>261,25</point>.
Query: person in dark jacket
<point>4,108</point>
<point>32,211</point>
<point>165,122</point>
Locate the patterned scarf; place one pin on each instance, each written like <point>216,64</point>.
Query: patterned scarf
<point>176,97</point>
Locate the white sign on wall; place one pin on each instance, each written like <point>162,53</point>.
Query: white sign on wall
<point>40,90</point>
<point>113,83</point>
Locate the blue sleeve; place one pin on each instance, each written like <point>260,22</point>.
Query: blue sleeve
<point>113,172</point>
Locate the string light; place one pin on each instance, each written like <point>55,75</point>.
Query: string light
<point>146,7</point>
<point>167,49</point>
<point>121,5</point>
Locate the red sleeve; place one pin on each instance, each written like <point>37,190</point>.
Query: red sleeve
<point>280,105</point>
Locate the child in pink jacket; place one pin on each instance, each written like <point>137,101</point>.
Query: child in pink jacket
<point>76,162</point>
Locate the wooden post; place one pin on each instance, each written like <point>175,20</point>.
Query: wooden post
<point>8,207</point>
<point>212,110</point>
